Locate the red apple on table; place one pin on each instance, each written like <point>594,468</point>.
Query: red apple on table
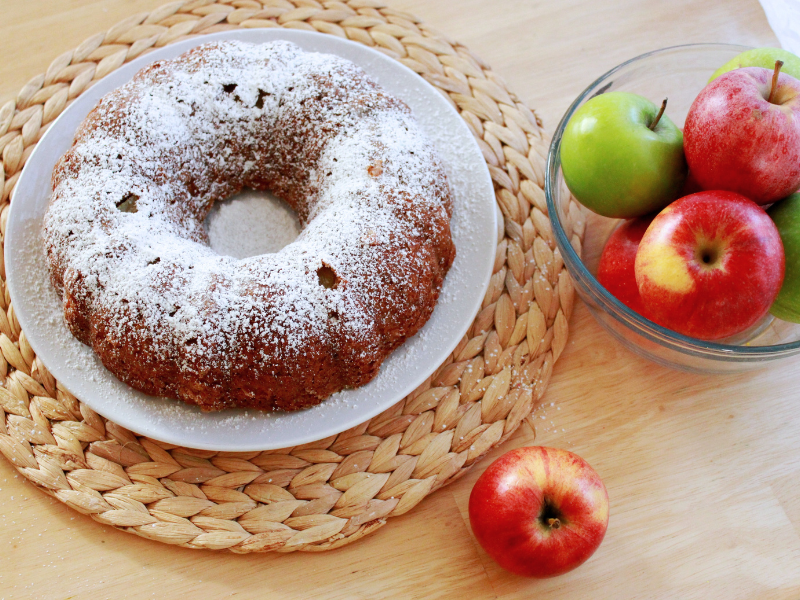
<point>615,272</point>
<point>710,265</point>
<point>742,134</point>
<point>539,512</point>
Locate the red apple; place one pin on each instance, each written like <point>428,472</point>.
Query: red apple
<point>742,134</point>
<point>710,265</point>
<point>616,269</point>
<point>539,512</point>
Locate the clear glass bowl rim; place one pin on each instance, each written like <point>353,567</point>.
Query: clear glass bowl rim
<point>607,302</point>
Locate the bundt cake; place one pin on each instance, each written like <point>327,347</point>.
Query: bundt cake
<point>128,251</point>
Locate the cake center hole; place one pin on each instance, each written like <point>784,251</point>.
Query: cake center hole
<point>250,224</point>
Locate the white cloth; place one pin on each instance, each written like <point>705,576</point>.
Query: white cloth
<point>784,18</point>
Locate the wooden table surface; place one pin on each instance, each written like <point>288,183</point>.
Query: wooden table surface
<point>703,472</point>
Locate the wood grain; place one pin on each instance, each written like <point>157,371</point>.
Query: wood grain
<point>702,472</point>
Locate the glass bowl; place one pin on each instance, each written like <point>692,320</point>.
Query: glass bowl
<point>677,73</point>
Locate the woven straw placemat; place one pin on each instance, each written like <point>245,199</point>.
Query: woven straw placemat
<point>328,493</point>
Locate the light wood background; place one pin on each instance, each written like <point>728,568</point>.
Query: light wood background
<point>703,472</point>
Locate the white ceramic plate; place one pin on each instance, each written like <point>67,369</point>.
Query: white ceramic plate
<point>76,366</point>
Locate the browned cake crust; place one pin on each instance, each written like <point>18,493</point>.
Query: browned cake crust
<point>128,251</point>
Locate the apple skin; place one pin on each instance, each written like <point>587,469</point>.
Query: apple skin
<point>614,164</point>
<point>710,265</point>
<point>615,271</point>
<point>764,58</point>
<point>786,216</point>
<point>736,140</point>
<point>513,500</point>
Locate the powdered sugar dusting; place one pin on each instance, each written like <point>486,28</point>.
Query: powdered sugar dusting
<point>127,246</point>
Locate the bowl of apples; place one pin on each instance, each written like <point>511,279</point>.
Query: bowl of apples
<point>681,168</point>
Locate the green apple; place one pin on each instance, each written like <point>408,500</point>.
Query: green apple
<point>622,157</point>
<point>786,215</point>
<point>762,57</point>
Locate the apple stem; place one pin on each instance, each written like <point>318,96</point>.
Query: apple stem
<point>774,88</point>
<point>658,116</point>
<point>554,523</point>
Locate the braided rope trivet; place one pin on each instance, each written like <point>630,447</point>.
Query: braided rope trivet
<point>332,492</point>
